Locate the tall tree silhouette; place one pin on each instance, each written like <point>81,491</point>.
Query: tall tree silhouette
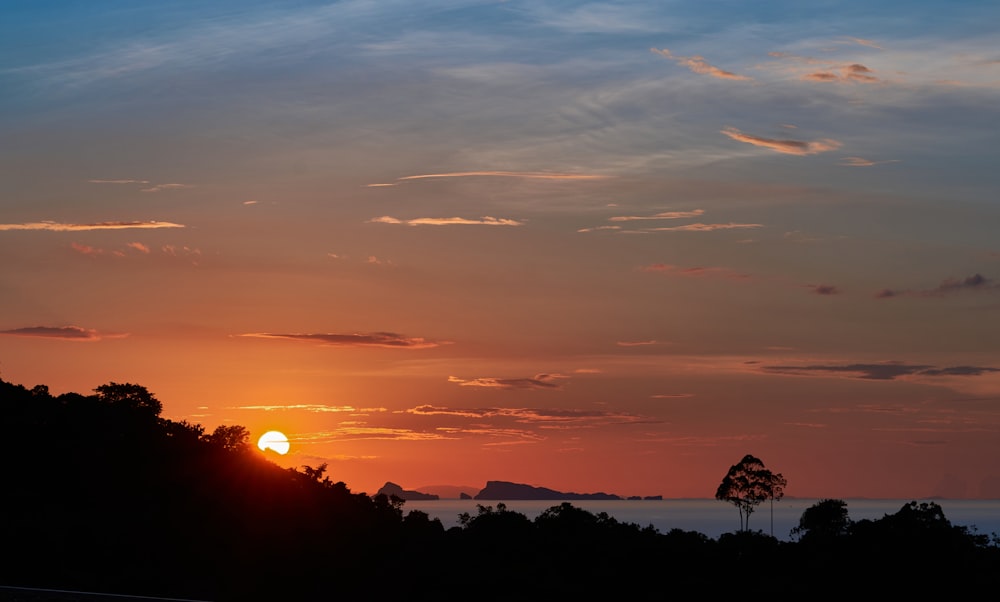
<point>747,484</point>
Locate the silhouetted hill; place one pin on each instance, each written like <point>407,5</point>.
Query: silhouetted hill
<point>102,494</point>
<point>504,490</point>
<point>391,489</point>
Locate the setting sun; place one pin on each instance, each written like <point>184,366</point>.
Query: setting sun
<point>275,441</point>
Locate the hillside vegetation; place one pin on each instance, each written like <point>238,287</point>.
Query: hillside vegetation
<point>101,493</point>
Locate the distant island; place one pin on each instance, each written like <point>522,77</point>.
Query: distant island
<point>391,489</point>
<point>504,490</point>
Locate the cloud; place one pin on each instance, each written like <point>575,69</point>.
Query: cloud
<point>313,407</point>
<point>863,42</point>
<point>68,333</point>
<point>790,147</point>
<point>118,181</point>
<point>357,432</point>
<point>57,227</point>
<point>879,371</point>
<point>598,228</point>
<point>447,221</point>
<point>853,73</point>
<point>697,271</point>
<point>533,415</point>
<point>375,339</point>
<point>824,289</point>
<point>534,175</point>
<point>975,282</point>
<point>699,227</point>
<point>699,65</point>
<point>637,343</point>
<point>862,162</point>
<point>162,187</point>
<point>138,246</point>
<point>657,216</point>
<point>540,381</point>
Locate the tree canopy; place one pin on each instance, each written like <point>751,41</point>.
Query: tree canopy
<point>747,484</point>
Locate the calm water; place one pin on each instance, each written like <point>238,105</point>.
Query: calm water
<point>713,518</point>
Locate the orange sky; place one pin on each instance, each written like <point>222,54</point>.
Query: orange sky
<point>592,248</point>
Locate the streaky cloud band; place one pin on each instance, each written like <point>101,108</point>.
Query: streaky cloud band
<point>58,227</point>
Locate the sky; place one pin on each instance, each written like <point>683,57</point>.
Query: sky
<point>590,246</point>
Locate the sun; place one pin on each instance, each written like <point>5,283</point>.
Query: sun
<point>275,441</point>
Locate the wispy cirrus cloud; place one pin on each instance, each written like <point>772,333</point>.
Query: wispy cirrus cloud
<point>361,432</point>
<point>447,221</point>
<point>878,371</point>
<point>531,175</point>
<point>697,271</point>
<point>67,333</point>
<point>976,282</point>
<point>312,407</point>
<point>60,227</point>
<point>786,146</point>
<point>525,175</point>
<point>862,162</point>
<point>389,340</point>
<point>162,187</point>
<point>533,415</point>
<point>699,65</point>
<point>658,216</point>
<point>119,182</point>
<point>152,188</point>
<point>864,42</point>
<point>540,381</point>
<point>135,247</point>
<point>700,227</point>
<point>646,343</point>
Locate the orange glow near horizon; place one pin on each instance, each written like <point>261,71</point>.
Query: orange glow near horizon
<point>551,257</point>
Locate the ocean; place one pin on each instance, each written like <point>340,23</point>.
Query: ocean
<point>713,518</point>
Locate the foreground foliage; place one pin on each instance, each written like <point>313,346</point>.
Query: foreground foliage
<point>101,493</point>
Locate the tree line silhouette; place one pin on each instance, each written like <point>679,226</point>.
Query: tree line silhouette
<point>101,493</point>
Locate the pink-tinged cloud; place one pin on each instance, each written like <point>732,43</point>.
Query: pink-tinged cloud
<point>533,415</point>
<point>598,228</point>
<point>118,181</point>
<point>658,216</point>
<point>977,282</point>
<point>68,333</point>
<point>535,175</point>
<point>83,249</point>
<point>374,339</point>
<point>447,221</point>
<point>862,162</point>
<point>185,251</point>
<point>162,187</point>
<point>854,73</point>
<point>637,343</point>
<point>700,227</point>
<point>138,246</point>
<point>697,271</point>
<point>540,381</point>
<point>789,147</point>
<point>699,65</point>
<point>879,371</point>
<point>57,227</point>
